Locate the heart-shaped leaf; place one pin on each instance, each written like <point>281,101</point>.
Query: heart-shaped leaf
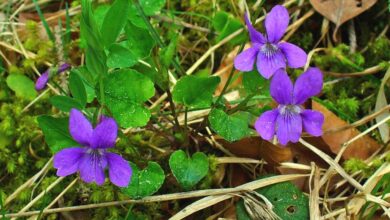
<point>139,41</point>
<point>120,57</point>
<point>125,92</point>
<point>195,91</point>
<point>230,127</point>
<point>254,83</point>
<point>145,182</point>
<point>188,171</point>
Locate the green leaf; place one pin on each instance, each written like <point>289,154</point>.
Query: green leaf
<point>195,91</point>
<point>188,171</point>
<point>96,62</point>
<point>168,53</point>
<point>230,127</point>
<point>65,103</point>
<point>136,19</point>
<point>88,80</point>
<point>151,72</point>
<point>287,200</point>
<point>56,132</point>
<point>120,57</point>
<point>114,21</point>
<point>100,13</point>
<point>90,36</point>
<point>139,40</point>
<point>254,83</point>
<point>22,86</point>
<point>146,182</point>
<point>125,92</point>
<point>225,24</point>
<point>77,88</point>
<point>151,7</point>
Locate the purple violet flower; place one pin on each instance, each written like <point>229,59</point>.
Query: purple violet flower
<point>44,78</point>
<point>92,158</point>
<point>270,53</point>
<point>288,119</point>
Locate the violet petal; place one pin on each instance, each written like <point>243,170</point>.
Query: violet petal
<point>267,65</point>
<point>63,68</point>
<point>105,134</point>
<point>91,167</point>
<point>67,160</point>
<point>295,56</point>
<point>246,59</point>
<point>281,87</point>
<point>276,23</point>
<point>119,170</point>
<point>79,127</point>
<point>42,81</point>
<point>265,124</point>
<point>312,122</point>
<point>289,128</point>
<point>254,35</point>
<point>307,85</point>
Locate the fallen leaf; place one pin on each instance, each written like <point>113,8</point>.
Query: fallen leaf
<point>255,147</point>
<point>340,11</point>
<point>362,148</point>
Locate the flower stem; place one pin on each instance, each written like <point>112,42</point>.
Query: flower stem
<point>156,36</point>
<point>101,88</point>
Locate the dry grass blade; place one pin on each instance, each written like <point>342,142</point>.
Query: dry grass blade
<point>212,200</point>
<point>314,194</point>
<point>174,196</point>
<point>29,182</point>
<point>256,208</point>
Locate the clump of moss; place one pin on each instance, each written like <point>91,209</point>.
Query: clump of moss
<point>356,165</point>
<point>378,51</point>
<point>339,59</point>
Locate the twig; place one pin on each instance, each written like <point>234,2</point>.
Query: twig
<point>359,122</point>
<point>368,71</point>
<point>182,23</point>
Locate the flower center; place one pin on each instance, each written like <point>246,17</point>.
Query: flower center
<point>269,49</point>
<point>96,155</point>
<point>289,109</point>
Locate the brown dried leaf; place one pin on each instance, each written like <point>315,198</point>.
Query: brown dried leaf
<point>361,148</point>
<point>340,11</point>
<point>255,147</point>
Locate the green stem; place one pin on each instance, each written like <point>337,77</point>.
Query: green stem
<point>228,80</point>
<point>44,22</point>
<point>156,36</point>
<point>101,88</point>
<point>241,105</point>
